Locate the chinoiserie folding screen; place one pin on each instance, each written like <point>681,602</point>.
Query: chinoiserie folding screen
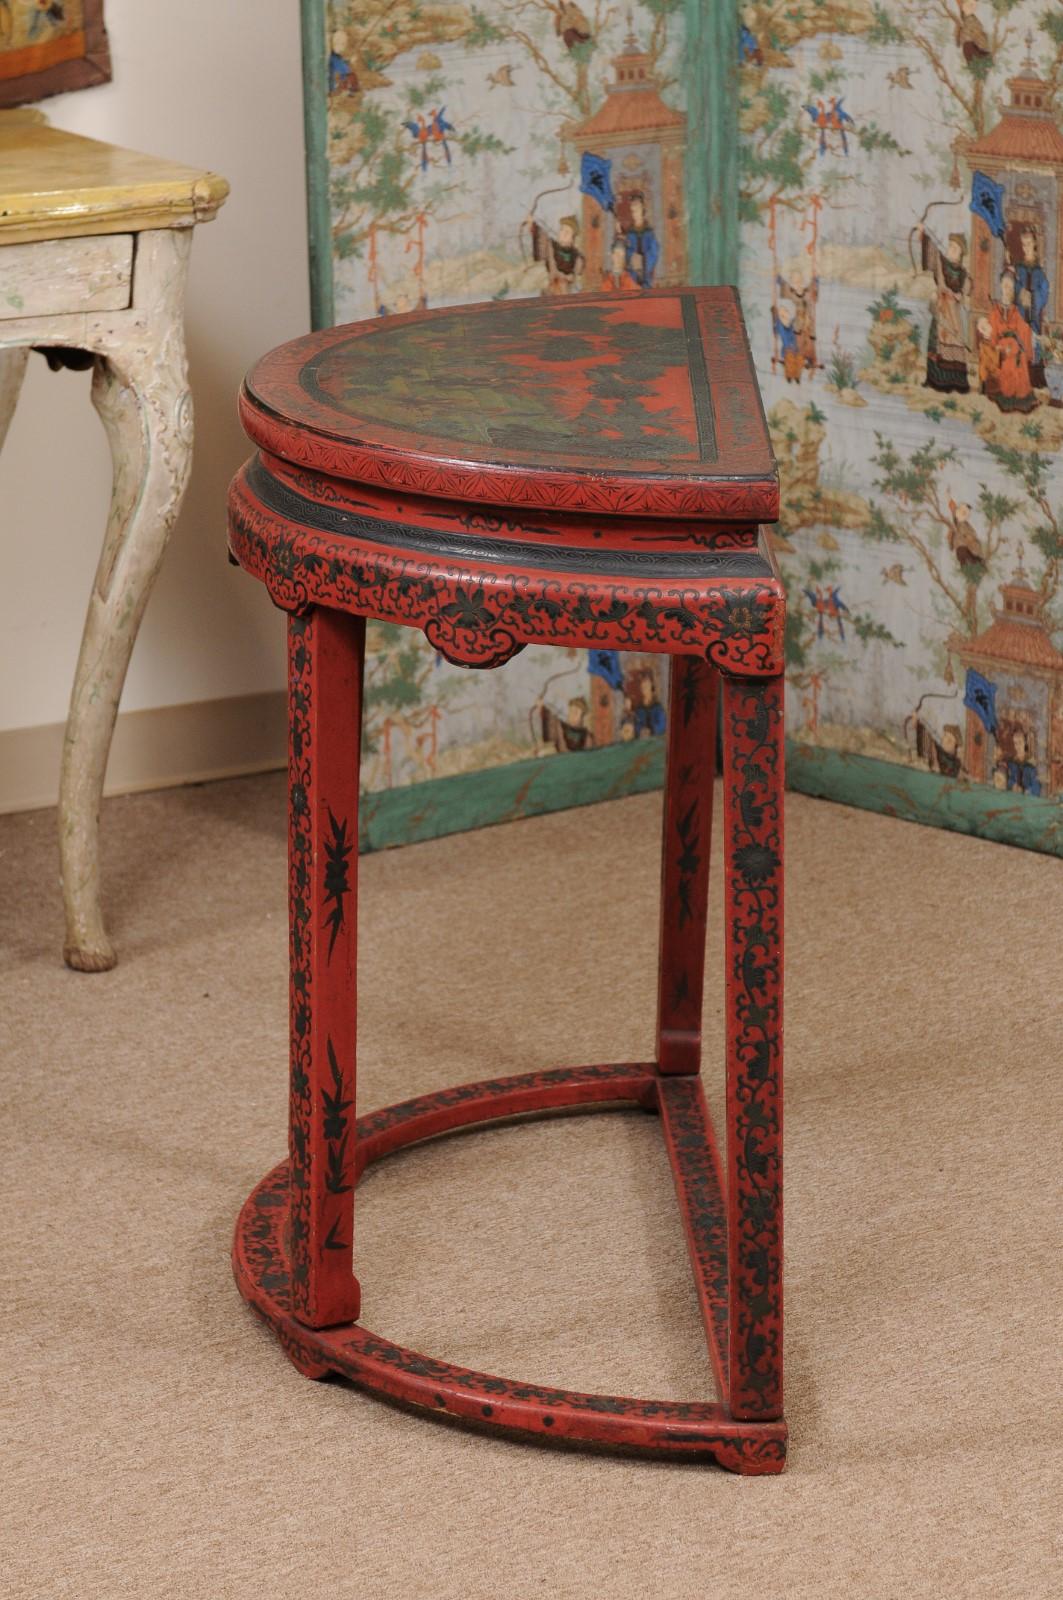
<point>884,180</point>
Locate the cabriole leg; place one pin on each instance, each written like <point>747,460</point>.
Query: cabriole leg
<point>753,826</point>
<point>326,651</point>
<point>140,389</point>
<point>685,861</point>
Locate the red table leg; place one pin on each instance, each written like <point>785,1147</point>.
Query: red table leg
<point>685,861</point>
<point>753,826</point>
<point>669,1427</point>
<point>293,1250</point>
<point>325,665</point>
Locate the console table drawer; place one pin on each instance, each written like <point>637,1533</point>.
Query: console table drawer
<point>63,275</point>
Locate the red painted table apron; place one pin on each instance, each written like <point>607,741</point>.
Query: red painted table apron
<point>578,472</point>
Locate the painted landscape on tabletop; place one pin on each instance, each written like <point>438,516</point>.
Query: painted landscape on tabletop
<point>507,149</point>
<point>902,275</point>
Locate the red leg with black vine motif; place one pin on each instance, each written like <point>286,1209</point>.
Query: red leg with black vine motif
<point>326,651</point>
<point>685,861</point>
<point>753,828</point>
<point>351,508</point>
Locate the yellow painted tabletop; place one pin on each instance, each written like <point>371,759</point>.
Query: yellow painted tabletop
<point>59,185</point>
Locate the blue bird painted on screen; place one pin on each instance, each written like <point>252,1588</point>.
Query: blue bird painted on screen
<point>420,133</point>
<point>433,132</point>
<point>829,606</point>
<point>829,120</point>
<point>440,127</point>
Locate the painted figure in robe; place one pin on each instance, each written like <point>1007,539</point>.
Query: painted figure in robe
<point>964,542</point>
<point>946,345</point>
<point>1005,351</point>
<point>971,35</point>
<point>1021,771</point>
<point>561,256</point>
<point>649,713</point>
<point>1031,283</point>
<point>797,291</point>
<point>941,755</point>
<point>642,247</point>
<point>564,731</point>
<point>616,279</point>
<point>783,321</point>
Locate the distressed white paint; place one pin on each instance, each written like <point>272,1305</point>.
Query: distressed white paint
<point>57,275</point>
<point>140,389</point>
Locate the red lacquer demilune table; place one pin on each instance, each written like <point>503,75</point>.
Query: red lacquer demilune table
<point>584,471</point>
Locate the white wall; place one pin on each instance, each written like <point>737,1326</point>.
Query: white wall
<point>216,86</point>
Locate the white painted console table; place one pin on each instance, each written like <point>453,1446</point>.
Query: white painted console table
<point>94,246</point>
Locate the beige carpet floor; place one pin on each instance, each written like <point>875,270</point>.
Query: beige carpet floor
<point>156,1442</point>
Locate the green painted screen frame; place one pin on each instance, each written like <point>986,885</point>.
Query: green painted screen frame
<point>315,135</point>
<point>532,788</point>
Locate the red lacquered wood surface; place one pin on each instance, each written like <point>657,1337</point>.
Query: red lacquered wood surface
<point>579,475</point>
<point>667,1427</point>
<point>697,1172</point>
<point>526,526</point>
<point>478,608</point>
<point>685,846</point>
<point>325,657</point>
<point>753,864</point>
<point>645,406</point>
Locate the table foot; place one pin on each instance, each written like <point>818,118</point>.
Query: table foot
<point>93,958</point>
<point>302,1357</point>
<point>662,1427</point>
